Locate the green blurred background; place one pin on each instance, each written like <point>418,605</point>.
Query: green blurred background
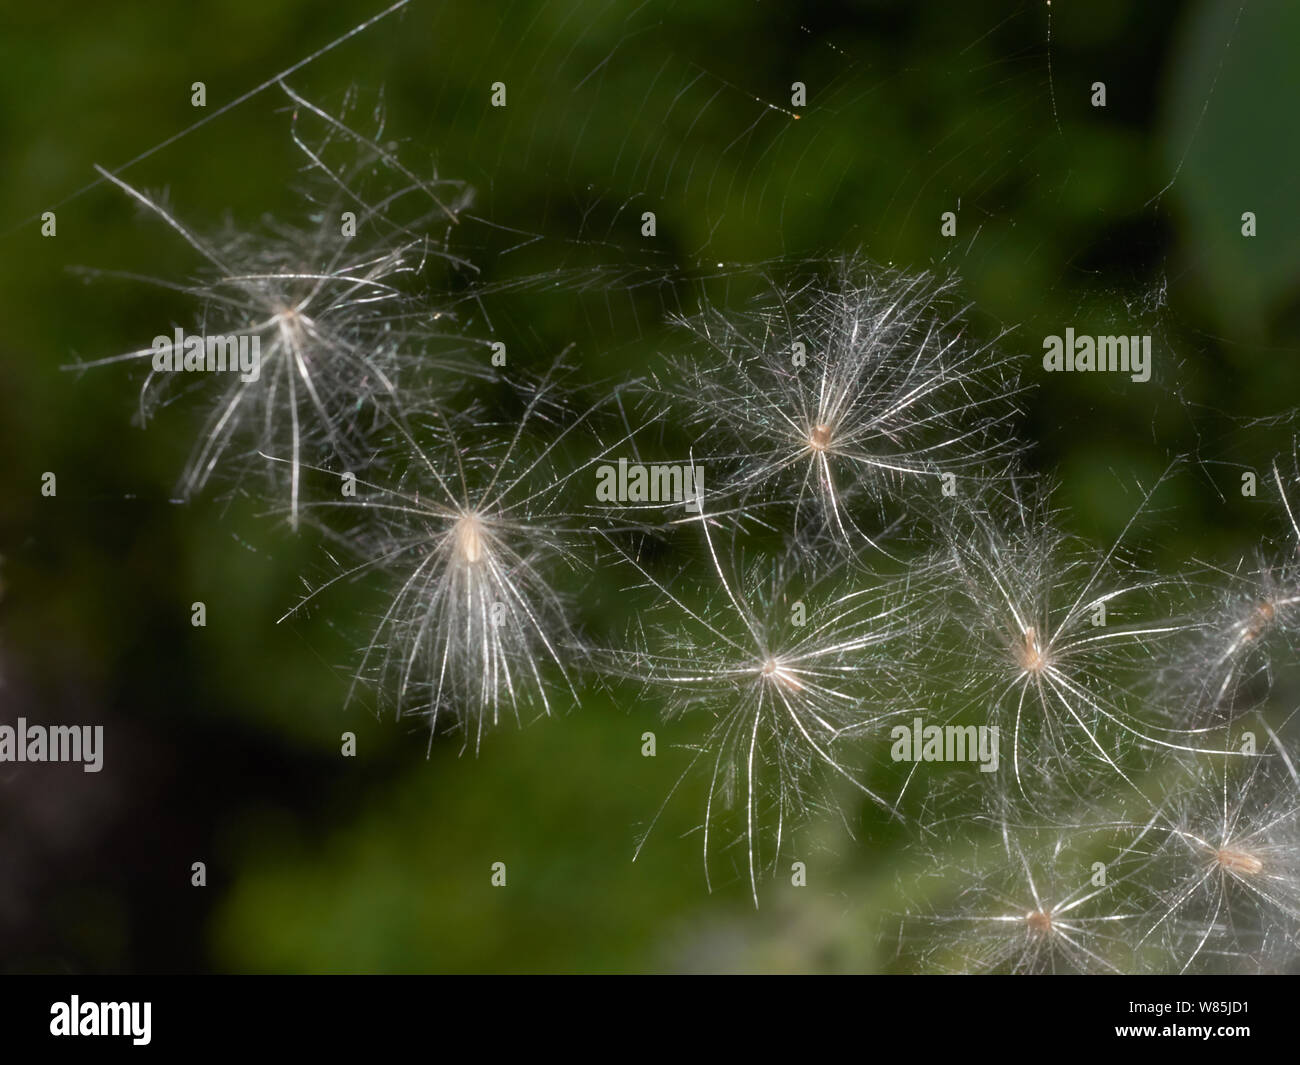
<point>222,743</point>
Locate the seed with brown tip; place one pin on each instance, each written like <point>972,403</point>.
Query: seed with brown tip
<point>1260,619</point>
<point>1238,861</point>
<point>1031,656</point>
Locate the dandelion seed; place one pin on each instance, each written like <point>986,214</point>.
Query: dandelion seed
<point>1228,880</point>
<point>1047,653</point>
<point>1228,666</point>
<point>787,703</point>
<point>1036,906</point>
<point>472,541</point>
<point>337,319</point>
<point>831,395</point>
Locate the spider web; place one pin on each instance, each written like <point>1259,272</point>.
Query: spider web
<point>614,110</point>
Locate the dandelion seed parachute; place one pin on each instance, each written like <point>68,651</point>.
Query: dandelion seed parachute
<point>338,314</point>
<point>1226,666</point>
<point>1226,887</point>
<point>471,541</point>
<point>795,680</point>
<point>1057,644</point>
<point>1034,904</point>
<point>831,396</point>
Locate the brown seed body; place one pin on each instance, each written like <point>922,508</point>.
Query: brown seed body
<point>1238,861</point>
<point>1260,619</point>
<point>469,538</point>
